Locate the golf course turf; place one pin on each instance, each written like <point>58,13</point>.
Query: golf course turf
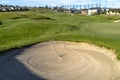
<point>48,45</point>
<point>19,29</point>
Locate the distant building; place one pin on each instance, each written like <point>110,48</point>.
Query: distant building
<point>91,11</point>
<point>94,11</point>
<point>84,11</point>
<point>67,11</point>
<point>9,8</point>
<point>3,9</point>
<point>77,11</point>
<point>113,11</point>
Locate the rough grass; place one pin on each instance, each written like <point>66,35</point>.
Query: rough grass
<point>0,22</point>
<point>18,15</point>
<point>25,28</point>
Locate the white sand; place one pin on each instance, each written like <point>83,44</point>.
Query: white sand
<point>117,21</point>
<point>58,60</point>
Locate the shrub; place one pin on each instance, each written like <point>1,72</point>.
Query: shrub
<point>0,23</point>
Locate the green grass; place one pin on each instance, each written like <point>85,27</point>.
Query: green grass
<point>19,29</point>
<point>0,22</point>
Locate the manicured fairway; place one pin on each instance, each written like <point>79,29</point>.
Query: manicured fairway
<point>18,29</point>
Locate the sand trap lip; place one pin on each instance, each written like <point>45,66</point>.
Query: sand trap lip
<point>59,60</point>
<point>117,21</point>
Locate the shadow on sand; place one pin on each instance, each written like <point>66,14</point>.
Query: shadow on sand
<point>12,69</point>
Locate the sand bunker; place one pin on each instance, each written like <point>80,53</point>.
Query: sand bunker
<point>117,21</point>
<point>57,60</point>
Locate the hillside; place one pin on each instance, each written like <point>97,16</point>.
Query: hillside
<point>19,29</point>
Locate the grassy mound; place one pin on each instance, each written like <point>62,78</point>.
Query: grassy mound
<point>14,15</point>
<point>25,28</point>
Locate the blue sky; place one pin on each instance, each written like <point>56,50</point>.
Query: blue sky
<point>110,3</point>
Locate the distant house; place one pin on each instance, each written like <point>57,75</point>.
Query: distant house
<point>67,11</point>
<point>77,11</point>
<point>0,9</point>
<point>84,11</point>
<point>93,11</point>
<point>9,8</point>
<point>3,9</point>
<point>113,11</point>
<point>72,11</point>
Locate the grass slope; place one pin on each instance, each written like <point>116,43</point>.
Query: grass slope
<point>18,29</point>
